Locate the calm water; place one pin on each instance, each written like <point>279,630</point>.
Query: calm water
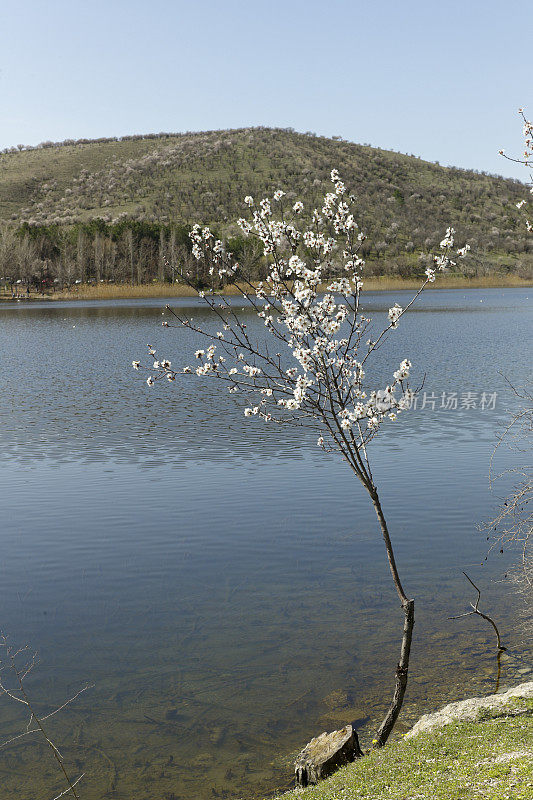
<point>221,583</point>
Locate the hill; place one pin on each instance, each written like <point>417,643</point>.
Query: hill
<point>177,179</point>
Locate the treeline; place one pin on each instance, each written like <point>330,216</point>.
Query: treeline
<point>130,251</point>
<point>133,137</point>
<point>139,252</point>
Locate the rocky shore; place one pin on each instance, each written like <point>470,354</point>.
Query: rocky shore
<point>480,748</point>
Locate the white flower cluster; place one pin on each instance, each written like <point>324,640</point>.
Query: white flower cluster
<point>204,245</point>
<point>293,310</point>
<point>162,368</point>
<point>442,260</point>
<point>322,334</point>
<point>403,373</point>
<point>528,157</point>
<point>527,160</point>
<point>394,315</point>
<point>251,371</point>
<point>447,242</point>
<point>527,130</point>
<point>342,286</point>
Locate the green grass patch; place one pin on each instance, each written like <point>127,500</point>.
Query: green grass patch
<point>491,759</point>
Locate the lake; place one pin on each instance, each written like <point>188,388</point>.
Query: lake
<point>222,583</point>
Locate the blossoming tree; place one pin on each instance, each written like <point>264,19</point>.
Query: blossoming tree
<point>527,160</point>
<point>321,375</point>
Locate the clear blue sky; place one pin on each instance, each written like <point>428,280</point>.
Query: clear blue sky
<point>442,80</point>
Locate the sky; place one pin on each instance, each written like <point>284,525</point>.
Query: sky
<point>441,80</point>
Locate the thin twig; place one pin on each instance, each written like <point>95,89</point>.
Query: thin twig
<point>20,675</point>
<point>475,610</point>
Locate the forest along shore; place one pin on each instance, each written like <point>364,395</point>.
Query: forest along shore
<point>111,291</point>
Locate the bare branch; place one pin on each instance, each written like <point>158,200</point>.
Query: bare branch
<point>20,673</point>
<point>476,611</point>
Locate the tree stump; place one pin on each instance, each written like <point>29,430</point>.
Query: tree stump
<point>325,754</point>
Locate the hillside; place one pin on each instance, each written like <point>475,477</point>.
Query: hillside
<point>176,179</point>
<point>206,175</point>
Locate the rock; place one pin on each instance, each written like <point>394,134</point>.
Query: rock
<point>338,716</point>
<point>217,734</point>
<point>468,710</point>
<point>336,699</point>
<point>325,754</point>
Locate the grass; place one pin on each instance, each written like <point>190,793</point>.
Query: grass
<point>490,759</point>
<point>110,291</point>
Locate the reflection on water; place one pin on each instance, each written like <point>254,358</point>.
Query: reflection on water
<point>224,585</point>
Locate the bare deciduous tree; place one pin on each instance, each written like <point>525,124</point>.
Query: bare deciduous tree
<point>19,663</point>
<point>512,525</point>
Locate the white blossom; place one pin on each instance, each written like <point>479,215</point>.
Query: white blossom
<point>394,314</point>
<point>244,225</point>
<point>448,239</point>
<point>251,371</point>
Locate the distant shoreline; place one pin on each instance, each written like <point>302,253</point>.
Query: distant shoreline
<point>155,290</point>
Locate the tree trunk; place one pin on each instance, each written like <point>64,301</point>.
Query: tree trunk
<point>408,606</point>
<point>402,669</point>
<point>161,257</point>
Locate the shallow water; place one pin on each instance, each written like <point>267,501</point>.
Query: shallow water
<point>222,583</point>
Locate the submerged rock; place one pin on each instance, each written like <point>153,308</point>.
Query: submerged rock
<point>325,754</point>
<point>336,699</point>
